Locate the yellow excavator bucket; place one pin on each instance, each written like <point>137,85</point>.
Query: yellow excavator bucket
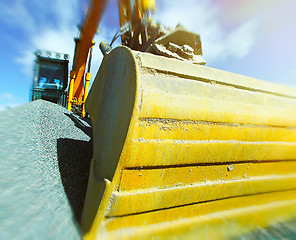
<point>183,150</point>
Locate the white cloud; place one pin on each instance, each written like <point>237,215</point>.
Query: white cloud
<point>47,26</point>
<point>9,101</point>
<point>15,13</point>
<point>241,40</point>
<point>52,26</point>
<point>57,34</point>
<point>6,97</point>
<point>202,17</point>
<point>57,40</point>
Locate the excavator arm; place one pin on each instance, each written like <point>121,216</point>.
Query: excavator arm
<point>78,87</point>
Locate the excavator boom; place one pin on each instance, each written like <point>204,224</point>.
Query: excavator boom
<point>82,48</point>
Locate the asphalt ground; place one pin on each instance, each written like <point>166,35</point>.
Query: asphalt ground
<point>45,157</point>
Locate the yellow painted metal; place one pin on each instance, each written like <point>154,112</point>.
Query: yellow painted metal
<point>87,33</point>
<point>162,178</point>
<point>71,89</point>
<point>127,203</point>
<point>134,11</point>
<point>210,220</point>
<point>208,151</point>
<point>86,85</point>
<point>182,150</point>
<point>156,128</point>
<point>148,5</point>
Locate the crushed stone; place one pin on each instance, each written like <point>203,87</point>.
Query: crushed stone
<point>45,158</point>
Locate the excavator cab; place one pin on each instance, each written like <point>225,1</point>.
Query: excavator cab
<point>50,77</point>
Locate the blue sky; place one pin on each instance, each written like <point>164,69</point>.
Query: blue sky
<point>250,37</point>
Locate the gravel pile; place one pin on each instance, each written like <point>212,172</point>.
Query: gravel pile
<point>45,157</point>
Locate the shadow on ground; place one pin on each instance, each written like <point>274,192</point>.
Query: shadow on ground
<point>74,158</point>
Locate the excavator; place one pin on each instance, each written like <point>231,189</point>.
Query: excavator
<point>180,150</point>
<point>50,78</point>
<point>137,31</point>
